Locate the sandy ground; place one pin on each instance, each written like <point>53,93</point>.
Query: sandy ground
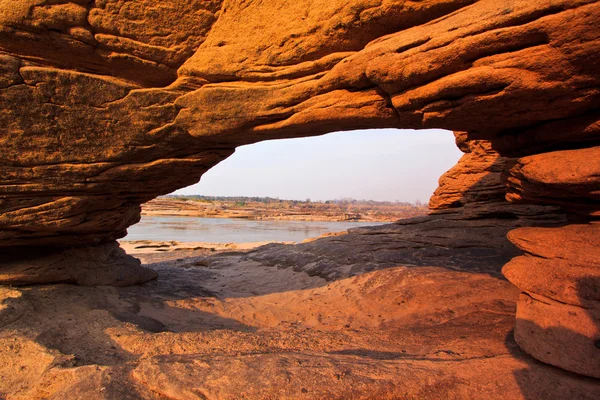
<point>223,323</point>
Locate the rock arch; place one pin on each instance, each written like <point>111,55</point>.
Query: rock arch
<point>103,101</point>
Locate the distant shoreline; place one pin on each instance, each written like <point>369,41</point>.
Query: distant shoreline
<point>282,210</point>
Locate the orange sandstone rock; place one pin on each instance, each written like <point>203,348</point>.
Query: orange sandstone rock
<point>93,128</point>
<point>108,104</point>
<point>558,315</point>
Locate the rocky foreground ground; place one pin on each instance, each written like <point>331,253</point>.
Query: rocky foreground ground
<point>416,310</point>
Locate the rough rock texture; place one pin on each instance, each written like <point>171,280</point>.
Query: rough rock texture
<point>112,135</point>
<point>558,319</point>
<point>476,188</point>
<point>100,265</point>
<point>478,245</point>
<point>568,178</point>
<point>476,180</point>
<point>143,41</point>
<point>107,104</point>
<point>431,319</point>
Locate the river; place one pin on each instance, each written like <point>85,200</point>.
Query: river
<point>227,230</point>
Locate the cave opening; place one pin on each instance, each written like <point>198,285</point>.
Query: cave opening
<point>290,190</point>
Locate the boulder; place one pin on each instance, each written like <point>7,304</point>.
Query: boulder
<point>558,313</point>
<point>101,265</point>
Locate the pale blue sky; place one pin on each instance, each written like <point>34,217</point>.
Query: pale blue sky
<point>382,164</point>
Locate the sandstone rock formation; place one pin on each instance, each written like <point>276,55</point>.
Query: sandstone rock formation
<point>558,318</point>
<point>414,310</point>
<point>476,188</point>
<point>107,104</point>
<point>105,264</point>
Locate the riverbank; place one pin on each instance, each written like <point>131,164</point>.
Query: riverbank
<point>234,230</point>
<point>282,210</point>
<point>138,247</point>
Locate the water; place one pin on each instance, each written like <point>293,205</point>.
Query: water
<point>226,230</point>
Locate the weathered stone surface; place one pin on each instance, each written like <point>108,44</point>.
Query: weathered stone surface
<point>100,265</point>
<point>107,104</point>
<point>476,188</point>
<point>558,315</point>
<point>225,326</point>
<point>143,41</point>
<point>476,245</point>
<point>576,132</point>
<point>576,243</point>
<point>476,178</point>
<point>113,139</point>
<point>557,279</point>
<point>568,178</point>
<point>559,334</point>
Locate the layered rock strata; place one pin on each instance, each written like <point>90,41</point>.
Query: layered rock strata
<point>476,180</point>
<point>85,144</point>
<point>105,264</point>
<point>558,313</point>
<point>108,104</point>
<point>476,188</point>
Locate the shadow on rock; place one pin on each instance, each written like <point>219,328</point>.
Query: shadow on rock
<point>572,346</point>
<point>87,322</point>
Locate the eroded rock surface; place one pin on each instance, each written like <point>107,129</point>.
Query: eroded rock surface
<point>107,104</point>
<point>89,133</point>
<point>406,316</point>
<point>101,265</point>
<point>476,188</point>
<point>558,319</point>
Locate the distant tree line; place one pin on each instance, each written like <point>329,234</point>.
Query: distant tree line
<point>242,200</point>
